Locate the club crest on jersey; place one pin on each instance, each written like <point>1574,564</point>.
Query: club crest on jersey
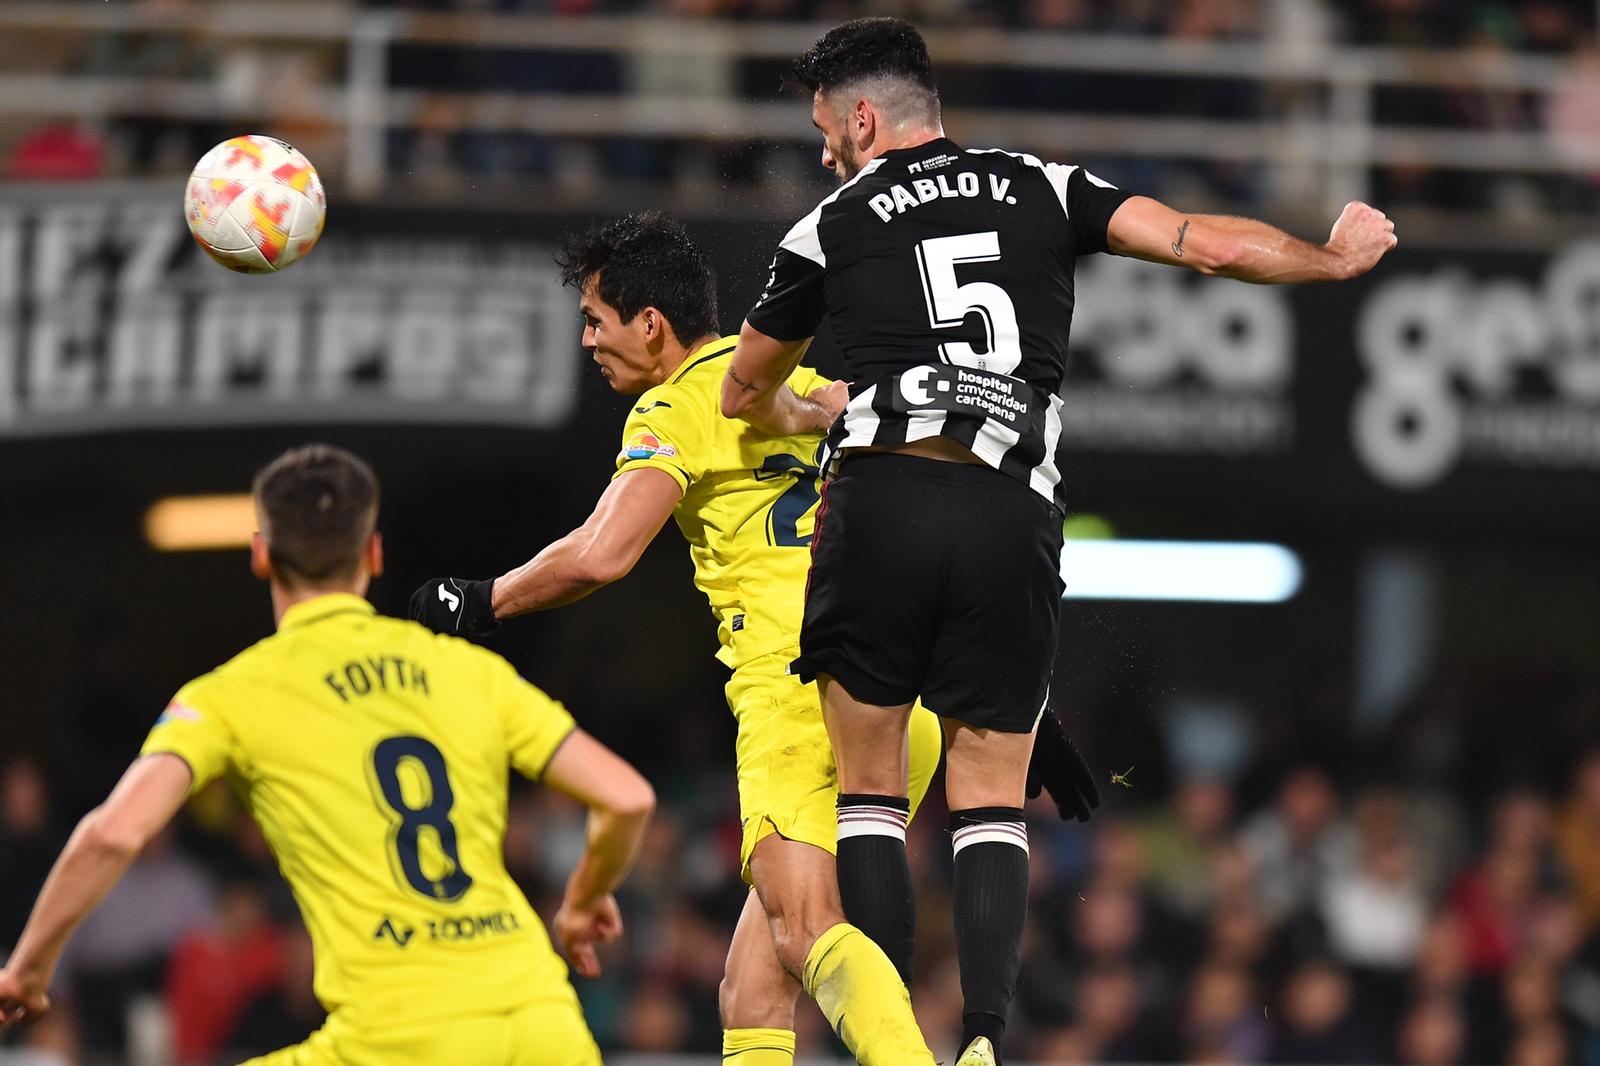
<point>177,712</point>
<point>647,446</point>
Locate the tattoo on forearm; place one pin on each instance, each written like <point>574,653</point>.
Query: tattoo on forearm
<point>1177,245</point>
<point>747,386</point>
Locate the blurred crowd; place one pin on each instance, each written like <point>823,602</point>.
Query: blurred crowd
<point>448,146</point>
<point>1292,910</point>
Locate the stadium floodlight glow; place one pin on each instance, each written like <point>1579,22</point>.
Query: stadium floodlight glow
<point>200,523</point>
<point>1179,570</point>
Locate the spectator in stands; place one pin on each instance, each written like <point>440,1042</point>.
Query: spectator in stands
<point>1317,1023</point>
<point>1297,844</point>
<point>58,151</point>
<point>120,952</point>
<point>1110,1016</point>
<point>29,842</point>
<point>52,1042</point>
<point>1375,913</point>
<point>1578,839</point>
<point>1434,1034</point>
<point>1544,1044</point>
<point>215,972</point>
<point>286,1013</point>
<point>1224,1014</point>
<point>1182,841</point>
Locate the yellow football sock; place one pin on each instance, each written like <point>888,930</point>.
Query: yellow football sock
<point>862,997</point>
<point>757,1047</point>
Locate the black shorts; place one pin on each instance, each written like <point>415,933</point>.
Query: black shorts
<point>935,580</point>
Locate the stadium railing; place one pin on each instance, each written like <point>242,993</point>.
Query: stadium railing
<point>1331,133</point>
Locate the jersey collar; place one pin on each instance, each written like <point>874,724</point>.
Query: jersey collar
<point>709,350</point>
<point>324,607</point>
<point>925,148</point>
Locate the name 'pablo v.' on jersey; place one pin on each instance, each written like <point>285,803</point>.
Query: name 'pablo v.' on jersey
<point>947,276</point>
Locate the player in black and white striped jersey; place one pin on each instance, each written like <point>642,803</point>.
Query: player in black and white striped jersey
<point>946,275</point>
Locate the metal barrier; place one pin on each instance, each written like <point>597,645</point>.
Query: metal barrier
<point>1331,132</point>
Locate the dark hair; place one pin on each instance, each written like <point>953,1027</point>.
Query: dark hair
<point>645,260</point>
<point>864,48</point>
<point>318,505</point>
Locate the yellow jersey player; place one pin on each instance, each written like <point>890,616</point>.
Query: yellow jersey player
<point>746,502</point>
<point>375,756</point>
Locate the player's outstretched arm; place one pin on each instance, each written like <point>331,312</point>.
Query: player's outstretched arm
<point>605,548</point>
<point>620,803</point>
<point>94,860</point>
<point>627,517</point>
<point>1249,250</point>
<point>753,389</point>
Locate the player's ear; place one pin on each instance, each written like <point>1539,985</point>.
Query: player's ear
<point>374,554</point>
<point>655,325</point>
<point>865,123</point>
<point>260,561</point>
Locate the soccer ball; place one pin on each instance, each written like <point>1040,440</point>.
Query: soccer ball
<point>255,204</point>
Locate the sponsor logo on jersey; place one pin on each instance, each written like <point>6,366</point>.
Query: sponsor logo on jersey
<point>178,712</point>
<point>652,407</point>
<point>647,446</point>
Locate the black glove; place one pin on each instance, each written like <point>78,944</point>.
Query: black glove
<point>1058,767</point>
<point>454,605</point>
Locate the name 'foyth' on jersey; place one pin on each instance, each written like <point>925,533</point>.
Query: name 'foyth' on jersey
<point>947,276</point>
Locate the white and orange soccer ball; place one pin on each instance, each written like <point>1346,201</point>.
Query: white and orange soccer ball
<point>255,204</point>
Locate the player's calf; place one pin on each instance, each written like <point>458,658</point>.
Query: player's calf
<point>756,991</point>
<point>991,906</point>
<point>875,874</point>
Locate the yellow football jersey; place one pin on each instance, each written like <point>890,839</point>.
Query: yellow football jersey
<point>375,756</point>
<point>749,500</point>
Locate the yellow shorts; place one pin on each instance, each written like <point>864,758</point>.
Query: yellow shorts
<point>788,783</point>
<point>542,1034</point>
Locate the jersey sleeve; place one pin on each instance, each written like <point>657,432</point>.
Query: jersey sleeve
<point>1090,203</point>
<point>792,305</point>
<point>662,432</point>
<point>193,727</point>
<point>535,724</point>
<point>806,380</point>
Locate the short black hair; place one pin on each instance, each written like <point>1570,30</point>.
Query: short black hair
<point>865,48</point>
<point>318,505</point>
<point>645,260</point>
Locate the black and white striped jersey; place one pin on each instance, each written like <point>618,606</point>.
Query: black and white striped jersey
<point>946,275</point>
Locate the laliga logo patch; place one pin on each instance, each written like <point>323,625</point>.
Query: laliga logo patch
<point>647,446</point>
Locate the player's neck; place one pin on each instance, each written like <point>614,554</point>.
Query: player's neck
<point>675,356</point>
<point>894,140</point>
<point>284,598</point>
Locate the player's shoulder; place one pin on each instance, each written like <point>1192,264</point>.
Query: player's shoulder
<point>804,237</point>
<point>217,688</point>
<point>695,387</point>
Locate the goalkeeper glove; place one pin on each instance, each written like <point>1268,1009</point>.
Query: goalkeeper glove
<point>1059,768</point>
<point>454,605</point>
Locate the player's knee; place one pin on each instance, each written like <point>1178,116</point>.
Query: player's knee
<point>797,919</point>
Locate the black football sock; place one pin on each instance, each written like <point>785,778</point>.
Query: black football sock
<point>875,876</point>
<point>991,905</point>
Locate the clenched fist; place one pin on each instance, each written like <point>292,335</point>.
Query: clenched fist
<point>1360,237</point>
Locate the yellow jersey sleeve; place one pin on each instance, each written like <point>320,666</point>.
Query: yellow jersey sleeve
<point>805,380</point>
<point>662,433</point>
<point>193,728</point>
<point>535,724</point>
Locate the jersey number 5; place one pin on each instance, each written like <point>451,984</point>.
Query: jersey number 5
<point>950,302</point>
<point>423,764</point>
